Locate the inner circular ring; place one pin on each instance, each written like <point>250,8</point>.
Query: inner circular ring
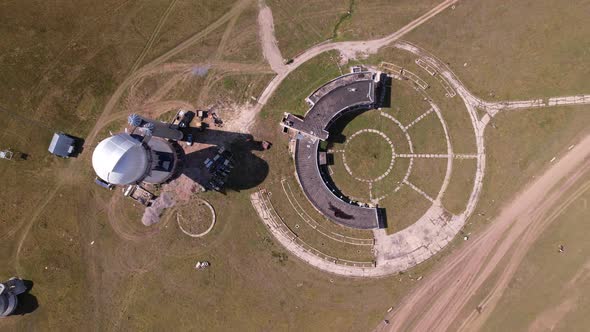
<point>389,168</point>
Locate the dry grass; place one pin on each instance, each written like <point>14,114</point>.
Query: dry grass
<point>548,284</point>
<point>404,208</point>
<point>60,62</point>
<point>517,49</point>
<point>428,175</point>
<point>461,185</point>
<point>373,19</point>
<point>406,103</point>
<point>428,135</point>
<point>299,24</point>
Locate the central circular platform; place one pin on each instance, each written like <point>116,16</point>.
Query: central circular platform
<point>368,155</point>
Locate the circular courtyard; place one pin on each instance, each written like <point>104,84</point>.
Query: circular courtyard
<point>396,157</point>
<point>404,160</point>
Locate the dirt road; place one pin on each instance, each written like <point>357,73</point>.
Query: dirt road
<point>134,76</point>
<point>437,303</point>
<point>348,49</point>
<point>270,47</point>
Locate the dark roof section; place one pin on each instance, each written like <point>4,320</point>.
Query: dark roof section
<point>336,208</point>
<point>62,145</point>
<point>329,102</point>
<point>343,93</point>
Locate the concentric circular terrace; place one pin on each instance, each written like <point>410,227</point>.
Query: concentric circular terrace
<point>417,185</point>
<point>372,158</point>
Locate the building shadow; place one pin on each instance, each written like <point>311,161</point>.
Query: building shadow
<point>27,302</point>
<point>383,91</point>
<point>336,128</point>
<point>78,146</point>
<point>249,170</point>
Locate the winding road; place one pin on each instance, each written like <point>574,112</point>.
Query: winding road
<point>350,48</point>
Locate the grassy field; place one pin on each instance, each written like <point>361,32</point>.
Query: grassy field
<point>404,208</point>
<point>290,96</point>
<point>522,49</point>
<point>180,20</point>
<point>368,156</point>
<point>406,103</point>
<point>371,19</point>
<point>300,25</point>
<point>461,184</point>
<point>428,135</point>
<point>548,286</point>
<point>96,267</point>
<point>238,88</point>
<point>522,145</point>
<point>428,175</point>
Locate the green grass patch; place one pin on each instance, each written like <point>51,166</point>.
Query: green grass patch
<point>404,208</point>
<point>428,175</point>
<point>428,135</point>
<point>461,185</point>
<point>406,103</point>
<point>290,96</point>
<point>368,155</point>
<point>541,54</point>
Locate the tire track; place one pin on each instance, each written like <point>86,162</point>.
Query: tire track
<point>438,302</point>
<point>475,320</point>
<point>153,36</point>
<point>135,76</point>
<point>204,93</point>
<point>29,225</point>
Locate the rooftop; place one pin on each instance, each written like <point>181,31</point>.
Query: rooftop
<point>62,145</point>
<point>325,200</point>
<point>344,93</point>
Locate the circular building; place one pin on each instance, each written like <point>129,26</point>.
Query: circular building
<point>8,295</point>
<point>128,159</point>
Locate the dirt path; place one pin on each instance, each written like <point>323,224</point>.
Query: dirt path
<point>539,222</point>
<point>30,223</point>
<point>210,79</point>
<point>348,49</point>
<point>270,47</point>
<point>134,76</point>
<point>437,302</point>
<point>153,36</point>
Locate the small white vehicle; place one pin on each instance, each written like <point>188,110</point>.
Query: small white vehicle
<point>202,265</point>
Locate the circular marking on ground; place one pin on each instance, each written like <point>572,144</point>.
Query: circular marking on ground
<point>437,227</point>
<point>392,157</point>
<point>410,146</point>
<point>186,228</point>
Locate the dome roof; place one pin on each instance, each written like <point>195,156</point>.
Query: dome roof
<point>120,159</point>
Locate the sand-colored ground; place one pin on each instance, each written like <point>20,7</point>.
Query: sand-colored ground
<point>437,302</point>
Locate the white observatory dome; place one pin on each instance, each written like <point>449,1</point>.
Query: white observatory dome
<point>120,159</point>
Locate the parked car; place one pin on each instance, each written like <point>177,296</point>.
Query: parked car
<point>189,140</point>
<point>186,119</point>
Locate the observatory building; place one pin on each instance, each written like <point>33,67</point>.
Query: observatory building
<point>130,158</point>
<point>8,295</point>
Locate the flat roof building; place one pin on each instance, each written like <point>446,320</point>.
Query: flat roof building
<point>344,94</point>
<point>62,145</point>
